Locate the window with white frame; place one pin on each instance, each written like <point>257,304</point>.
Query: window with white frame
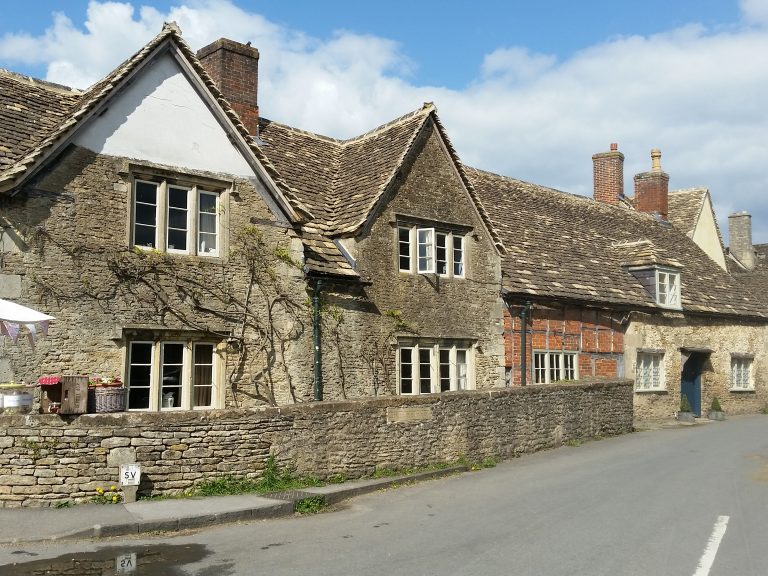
<point>430,368</point>
<point>741,373</point>
<point>176,218</point>
<point>426,250</point>
<point>649,371</point>
<point>552,366</point>
<point>668,288</point>
<point>171,375</point>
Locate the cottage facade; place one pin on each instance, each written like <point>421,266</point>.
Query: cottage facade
<point>202,253</point>
<point>609,287</point>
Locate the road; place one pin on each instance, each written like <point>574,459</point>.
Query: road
<point>690,501</point>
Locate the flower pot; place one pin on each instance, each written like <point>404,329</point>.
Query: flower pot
<point>686,417</point>
<point>716,415</point>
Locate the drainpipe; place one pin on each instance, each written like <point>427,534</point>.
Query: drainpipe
<point>523,343</point>
<point>317,389</point>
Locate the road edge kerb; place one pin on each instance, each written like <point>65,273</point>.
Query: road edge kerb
<point>333,494</point>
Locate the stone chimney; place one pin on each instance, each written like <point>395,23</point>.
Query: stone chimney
<point>608,169</point>
<point>652,188</point>
<point>740,239</point>
<point>234,68</point>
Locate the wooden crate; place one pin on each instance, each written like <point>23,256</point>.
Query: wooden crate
<point>74,395</point>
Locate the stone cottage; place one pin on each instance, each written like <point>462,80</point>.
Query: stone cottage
<point>209,257</point>
<point>608,286</point>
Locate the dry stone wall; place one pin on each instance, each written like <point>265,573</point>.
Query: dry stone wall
<point>47,459</point>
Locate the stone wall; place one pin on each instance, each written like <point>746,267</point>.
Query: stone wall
<point>46,459</point>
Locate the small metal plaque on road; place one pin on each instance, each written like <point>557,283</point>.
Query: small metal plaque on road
<point>125,563</point>
<point>130,474</point>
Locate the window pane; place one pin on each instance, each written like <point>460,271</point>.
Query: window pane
<point>171,375</point>
<point>406,370</point>
<point>202,375</point>
<point>404,248</point>
<point>177,218</point>
<point>540,367</point>
<point>458,255</point>
<point>139,375</point>
<point>145,214</point>
<point>569,366</point>
<point>461,369</point>
<point>146,193</point>
<point>441,253</point>
<point>554,367</point>
<point>208,222</point>
<point>426,250</point>
<point>445,369</point>
<point>425,370</point>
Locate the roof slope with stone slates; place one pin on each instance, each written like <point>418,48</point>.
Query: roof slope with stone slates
<point>341,181</point>
<point>562,246</point>
<point>685,207</point>
<point>29,110</point>
<point>755,280</point>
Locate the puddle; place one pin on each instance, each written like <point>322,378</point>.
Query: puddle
<point>138,560</point>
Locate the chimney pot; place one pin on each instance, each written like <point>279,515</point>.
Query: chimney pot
<point>614,146</point>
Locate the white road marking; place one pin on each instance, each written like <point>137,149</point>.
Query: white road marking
<point>710,551</point>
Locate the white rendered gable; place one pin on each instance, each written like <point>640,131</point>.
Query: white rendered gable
<point>706,236</point>
<point>159,117</point>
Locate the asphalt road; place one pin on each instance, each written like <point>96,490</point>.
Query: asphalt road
<point>689,501</point>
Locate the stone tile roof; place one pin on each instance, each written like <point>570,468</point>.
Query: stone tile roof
<point>29,110</point>
<point>756,281</point>
<point>341,181</point>
<point>562,246</point>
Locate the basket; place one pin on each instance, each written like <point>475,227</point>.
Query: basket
<point>106,399</point>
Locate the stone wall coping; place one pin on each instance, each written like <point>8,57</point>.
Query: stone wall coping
<point>226,415</point>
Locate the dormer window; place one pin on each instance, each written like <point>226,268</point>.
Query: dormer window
<point>668,288</point>
<point>662,282</point>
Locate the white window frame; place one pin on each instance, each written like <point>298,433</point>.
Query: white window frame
<point>558,363</point>
<point>650,372</point>
<point>668,288</point>
<point>460,367</point>
<point>741,374</point>
<point>410,238</point>
<point>162,217</point>
<point>187,375</point>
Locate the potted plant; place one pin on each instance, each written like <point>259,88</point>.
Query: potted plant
<point>715,411</point>
<point>685,414</point>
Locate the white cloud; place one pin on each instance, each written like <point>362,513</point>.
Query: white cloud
<point>695,93</point>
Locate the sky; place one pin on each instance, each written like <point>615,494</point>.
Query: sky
<point>525,89</point>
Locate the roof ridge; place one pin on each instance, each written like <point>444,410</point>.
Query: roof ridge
<point>689,190</point>
<point>303,132</point>
<point>426,109</point>
<point>45,84</point>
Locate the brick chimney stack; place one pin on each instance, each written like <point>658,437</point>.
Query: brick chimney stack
<point>608,170</point>
<point>740,239</point>
<point>652,188</point>
<point>234,68</point>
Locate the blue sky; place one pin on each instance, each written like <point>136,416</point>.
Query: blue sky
<point>528,89</point>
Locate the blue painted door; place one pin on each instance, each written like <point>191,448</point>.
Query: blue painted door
<point>690,381</point>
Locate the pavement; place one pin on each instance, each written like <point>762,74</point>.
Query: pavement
<point>19,525</point>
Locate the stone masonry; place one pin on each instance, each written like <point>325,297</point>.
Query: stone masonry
<point>47,459</point>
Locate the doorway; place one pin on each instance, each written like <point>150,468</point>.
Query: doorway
<point>690,378</point>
